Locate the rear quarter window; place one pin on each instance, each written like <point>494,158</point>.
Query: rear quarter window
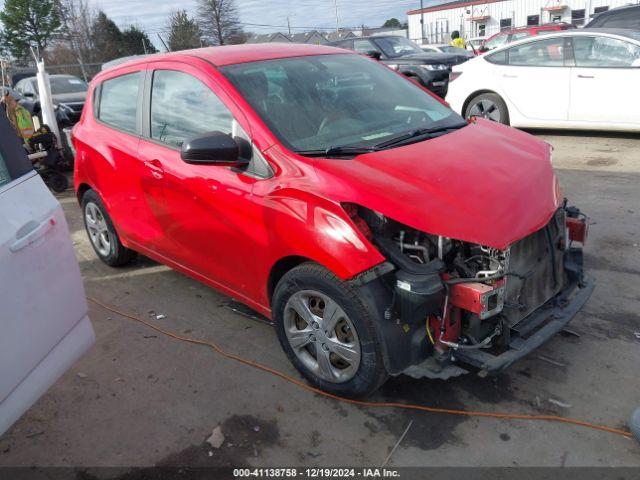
<point>118,101</point>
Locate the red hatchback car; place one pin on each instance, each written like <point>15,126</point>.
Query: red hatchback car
<point>380,231</point>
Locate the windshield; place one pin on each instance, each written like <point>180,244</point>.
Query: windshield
<point>323,101</point>
<point>397,46</point>
<point>61,85</point>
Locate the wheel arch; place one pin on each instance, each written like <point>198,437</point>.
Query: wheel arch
<point>81,190</point>
<point>280,269</point>
<point>475,94</point>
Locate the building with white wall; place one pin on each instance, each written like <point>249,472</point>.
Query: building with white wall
<point>486,17</point>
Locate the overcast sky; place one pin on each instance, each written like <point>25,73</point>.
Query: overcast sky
<point>152,15</point>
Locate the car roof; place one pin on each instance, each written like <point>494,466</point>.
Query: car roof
<point>54,75</point>
<point>617,9</point>
<point>618,32</point>
<point>244,53</point>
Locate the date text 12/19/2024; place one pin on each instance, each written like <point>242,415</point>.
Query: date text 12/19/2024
<point>304,473</point>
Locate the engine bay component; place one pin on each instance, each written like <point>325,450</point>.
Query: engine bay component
<point>479,298</point>
<point>472,297</point>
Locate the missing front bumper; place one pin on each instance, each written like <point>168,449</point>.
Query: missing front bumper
<point>535,330</point>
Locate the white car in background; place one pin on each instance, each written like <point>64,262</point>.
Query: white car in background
<point>44,322</point>
<point>474,44</point>
<point>579,79</point>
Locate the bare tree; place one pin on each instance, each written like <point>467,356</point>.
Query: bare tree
<point>77,20</point>
<point>219,21</point>
<point>184,32</point>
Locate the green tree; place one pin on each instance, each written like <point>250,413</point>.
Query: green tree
<point>136,42</point>
<point>106,38</point>
<point>28,23</point>
<point>392,23</point>
<point>184,32</point>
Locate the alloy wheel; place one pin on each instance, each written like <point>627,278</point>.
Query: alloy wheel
<point>97,228</point>
<point>322,336</point>
<point>485,109</point>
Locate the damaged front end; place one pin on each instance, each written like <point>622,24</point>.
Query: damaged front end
<point>449,306</point>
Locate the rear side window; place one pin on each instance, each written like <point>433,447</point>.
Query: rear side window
<point>605,52</point>
<point>183,107</point>
<point>119,100</point>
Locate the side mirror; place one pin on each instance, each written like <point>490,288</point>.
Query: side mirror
<point>375,54</point>
<point>214,148</point>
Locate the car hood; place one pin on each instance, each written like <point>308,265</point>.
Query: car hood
<point>426,58</point>
<point>484,183</point>
<point>69,97</point>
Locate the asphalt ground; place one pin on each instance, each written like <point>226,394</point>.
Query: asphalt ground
<point>138,398</point>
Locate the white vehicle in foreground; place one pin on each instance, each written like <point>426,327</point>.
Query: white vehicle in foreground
<point>581,79</point>
<point>44,322</point>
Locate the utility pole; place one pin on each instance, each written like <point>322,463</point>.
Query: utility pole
<point>288,25</point>
<point>335,4</point>
<point>422,20</point>
<point>144,46</point>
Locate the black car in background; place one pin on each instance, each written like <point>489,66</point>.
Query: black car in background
<point>68,94</point>
<point>622,17</point>
<point>429,69</point>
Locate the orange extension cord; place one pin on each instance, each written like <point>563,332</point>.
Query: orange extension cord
<point>406,406</point>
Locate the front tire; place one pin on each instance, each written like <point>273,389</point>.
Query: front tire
<point>490,106</point>
<point>327,332</point>
<point>102,234</point>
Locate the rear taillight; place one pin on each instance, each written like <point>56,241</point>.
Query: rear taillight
<point>453,76</point>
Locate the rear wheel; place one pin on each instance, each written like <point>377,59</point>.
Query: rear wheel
<point>102,234</point>
<point>327,332</point>
<point>489,106</point>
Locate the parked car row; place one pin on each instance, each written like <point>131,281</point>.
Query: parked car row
<point>584,79</point>
<point>627,17</point>
<point>429,69</point>
<point>68,95</point>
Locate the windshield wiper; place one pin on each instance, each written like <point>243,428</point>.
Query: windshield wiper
<point>336,151</point>
<point>418,133</point>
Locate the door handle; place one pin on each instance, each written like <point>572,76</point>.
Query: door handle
<point>586,76</point>
<point>156,169</point>
<point>31,232</point>
<point>510,76</point>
